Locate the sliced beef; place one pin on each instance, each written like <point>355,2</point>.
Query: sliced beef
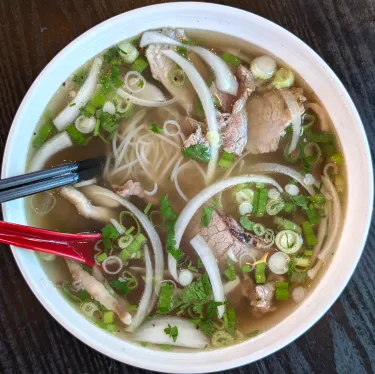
<point>219,236</point>
<point>233,127</point>
<point>131,188</point>
<point>196,137</point>
<point>225,100</point>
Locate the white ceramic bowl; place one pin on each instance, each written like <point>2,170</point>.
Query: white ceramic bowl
<point>318,75</point>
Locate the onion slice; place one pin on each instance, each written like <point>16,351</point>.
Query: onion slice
<point>50,147</point>
<point>71,112</point>
<point>203,92</point>
<point>143,306</point>
<point>210,264</point>
<point>196,202</point>
<point>278,168</point>
<point>188,335</point>
<point>142,102</point>
<point>152,234</point>
<point>225,80</point>
<point>333,220</point>
<point>295,112</point>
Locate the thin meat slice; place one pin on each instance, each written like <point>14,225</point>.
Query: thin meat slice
<point>219,236</point>
<point>224,100</point>
<point>197,136</point>
<point>130,188</point>
<point>233,128</point>
<point>268,118</point>
<point>97,290</point>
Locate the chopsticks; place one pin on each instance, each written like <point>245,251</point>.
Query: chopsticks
<point>39,181</point>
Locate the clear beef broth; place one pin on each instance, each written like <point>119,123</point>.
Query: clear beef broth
<point>65,217</point>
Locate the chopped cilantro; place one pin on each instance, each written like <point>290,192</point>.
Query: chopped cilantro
<point>301,201</point>
<point>207,327</point>
<point>207,212</point>
<point>198,152</point>
<point>156,129</point>
<point>166,209</point>
<point>108,123</point>
<point>121,287</point>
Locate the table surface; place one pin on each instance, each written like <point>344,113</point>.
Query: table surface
<point>342,32</point>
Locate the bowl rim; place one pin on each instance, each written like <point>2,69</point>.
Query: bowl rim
<point>211,360</point>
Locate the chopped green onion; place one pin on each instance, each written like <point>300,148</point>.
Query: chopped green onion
<point>340,184</point>
<point>309,235</point>
<point>97,127</point>
<point>80,77</point>
<point>89,110</point>
<point>75,135</point>
<point>132,308</point>
<point>130,279</point>
<point>89,308</point>
<point>177,76</point>
<point>282,291</point>
<point>126,213</point>
<point>327,149</point>
<point>109,233</point>
<point>44,133</point>
<point>230,59</point>
<point>312,215</point>
<point>230,272</point>
<point>246,268</point>
<point>255,201</point>
<point>231,320</point>
<point>182,51</point>
<point>111,327</point>
<point>259,229</point>
<point>289,207</point>
<point>147,209</point>
<point>139,65</point>
<point>298,277</point>
<point>303,262</point>
<point>284,78</point>
<point>191,42</point>
<point>98,100</point>
<point>119,286</point>
<point>274,207</point>
<point>101,257</point>
<point>133,250</point>
<point>128,51</point>
<point>221,339</point>
<point>226,160</point>
<point>129,230</point>
<point>125,241</point>
<point>246,223</point>
<point>165,298</point>
<point>108,317</point>
<point>115,77</point>
<point>263,196</point>
<point>252,334</point>
<point>321,137</point>
<point>260,273</point>
<point>308,252</point>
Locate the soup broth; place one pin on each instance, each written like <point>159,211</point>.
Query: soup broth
<point>271,203</point>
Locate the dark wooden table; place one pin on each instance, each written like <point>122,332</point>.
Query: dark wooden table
<point>342,32</point>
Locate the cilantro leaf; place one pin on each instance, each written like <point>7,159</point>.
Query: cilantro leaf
<point>172,332</point>
<point>165,298</point>
<point>171,241</point>
<point>166,209</point>
<point>155,128</point>
<point>207,327</point>
<point>301,201</point>
<point>197,152</point>
<point>206,216</point>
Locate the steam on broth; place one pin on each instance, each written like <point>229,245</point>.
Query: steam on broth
<point>221,199</point>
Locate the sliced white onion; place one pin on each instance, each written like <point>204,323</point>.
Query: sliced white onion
<point>173,123</point>
<point>141,102</point>
<point>109,107</point>
<point>120,229</point>
<point>278,263</point>
<point>48,149</point>
<point>85,125</point>
<point>188,335</point>
<point>309,179</point>
<point>334,220</point>
<point>71,112</point>
<point>45,206</point>
<point>210,264</point>
<point>89,182</point>
<point>197,201</point>
<point>322,115</point>
<point>143,306</point>
<point>111,261</point>
<point>298,294</point>
<point>185,277</point>
<point>152,93</point>
<point>273,194</point>
<point>231,285</point>
<point>203,92</point>
<point>278,168</point>
<point>152,234</point>
<point>292,189</point>
<point>295,112</point>
<point>263,67</point>
<point>225,80</point>
<point>245,208</point>
<point>134,81</point>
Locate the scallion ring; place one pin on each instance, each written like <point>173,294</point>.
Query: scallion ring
<point>259,229</point>
<point>125,241</point>
<point>126,213</point>
<point>274,207</point>
<point>177,76</point>
<point>130,279</point>
<point>158,215</point>
<point>288,241</point>
<point>89,309</point>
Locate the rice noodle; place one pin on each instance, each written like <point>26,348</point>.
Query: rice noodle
<point>72,110</point>
<point>205,97</point>
<point>312,273</point>
<point>322,115</point>
<point>176,124</point>
<point>86,183</point>
<point>322,231</point>
<point>43,210</point>
<point>295,112</point>
<point>141,102</point>
<point>210,264</point>
<point>153,236</point>
<point>196,202</point>
<point>143,306</point>
<point>153,191</point>
<point>334,220</point>
<point>278,168</point>
<point>109,261</point>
